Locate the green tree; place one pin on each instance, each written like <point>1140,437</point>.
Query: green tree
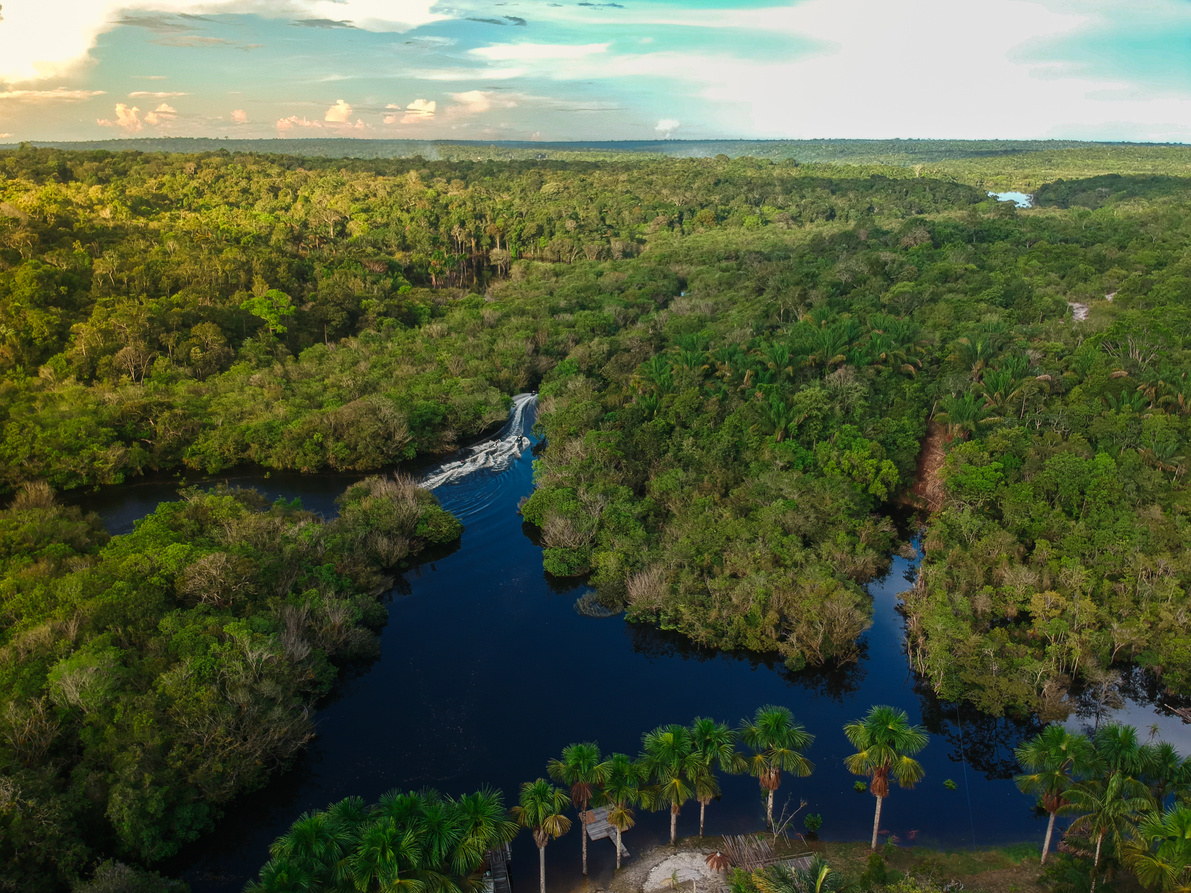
<point>817,877</point>
<point>1160,855</point>
<point>777,742</point>
<point>541,810</point>
<point>1107,807</point>
<point>885,743</point>
<point>485,825</point>
<point>1053,759</point>
<point>622,791</point>
<point>714,743</point>
<point>384,851</point>
<point>669,763</point>
<point>313,845</point>
<point>582,769</point>
<point>273,306</point>
<point>281,874</point>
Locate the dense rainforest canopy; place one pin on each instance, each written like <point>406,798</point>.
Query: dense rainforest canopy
<point>746,368</point>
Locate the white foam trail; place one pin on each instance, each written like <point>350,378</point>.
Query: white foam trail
<point>496,454</point>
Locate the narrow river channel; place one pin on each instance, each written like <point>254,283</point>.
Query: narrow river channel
<point>487,670</point>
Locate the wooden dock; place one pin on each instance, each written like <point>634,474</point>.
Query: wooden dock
<point>498,870</point>
<point>599,828</point>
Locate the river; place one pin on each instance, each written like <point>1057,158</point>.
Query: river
<point>487,671</point>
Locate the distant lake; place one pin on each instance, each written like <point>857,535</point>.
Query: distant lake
<point>1021,199</point>
<point>487,671</point>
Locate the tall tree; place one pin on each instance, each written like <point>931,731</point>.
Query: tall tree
<point>1053,759</point>
<point>885,743</point>
<point>541,810</point>
<point>1107,806</point>
<point>777,742</point>
<point>669,764</point>
<point>582,769</point>
<point>622,791</point>
<point>714,743</point>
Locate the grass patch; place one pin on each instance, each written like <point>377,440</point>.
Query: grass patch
<point>1008,869</point>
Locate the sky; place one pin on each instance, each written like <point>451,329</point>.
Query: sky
<point>596,70</point>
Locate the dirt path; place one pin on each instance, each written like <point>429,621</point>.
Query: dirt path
<point>927,491</point>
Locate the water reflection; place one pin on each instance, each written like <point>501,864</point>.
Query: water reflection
<point>985,743</point>
<point>835,683</point>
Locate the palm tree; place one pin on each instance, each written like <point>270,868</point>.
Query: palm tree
<point>281,874</point>
<point>815,878</point>
<point>581,768</point>
<point>1052,759</point>
<point>436,826</point>
<point>485,825</point>
<point>540,810</point>
<point>1118,747</point>
<point>312,846</point>
<point>1163,770</point>
<point>669,764</point>
<point>621,791</point>
<point>777,742</point>
<point>383,852</point>
<point>1107,806</point>
<point>964,416</point>
<point>1161,856</point>
<point>715,746</point>
<point>885,743</point>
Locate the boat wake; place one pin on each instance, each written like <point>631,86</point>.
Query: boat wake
<point>496,454</point>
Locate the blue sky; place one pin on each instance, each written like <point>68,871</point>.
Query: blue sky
<point>586,69</point>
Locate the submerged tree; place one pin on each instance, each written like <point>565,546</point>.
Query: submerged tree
<point>885,743</point>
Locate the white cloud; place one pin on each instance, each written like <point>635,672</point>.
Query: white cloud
<point>342,128</point>
<point>4,136</point>
<point>163,114</point>
<point>666,126</point>
<point>128,118</point>
<point>239,116</point>
<point>476,102</point>
<point>61,94</point>
<point>417,112</point>
<point>287,124</point>
<point>49,38</point>
<point>339,113</point>
<point>152,95</point>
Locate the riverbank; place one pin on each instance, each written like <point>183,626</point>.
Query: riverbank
<point>1008,869</point>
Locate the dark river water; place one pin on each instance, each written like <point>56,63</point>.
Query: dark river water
<point>487,671</point>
